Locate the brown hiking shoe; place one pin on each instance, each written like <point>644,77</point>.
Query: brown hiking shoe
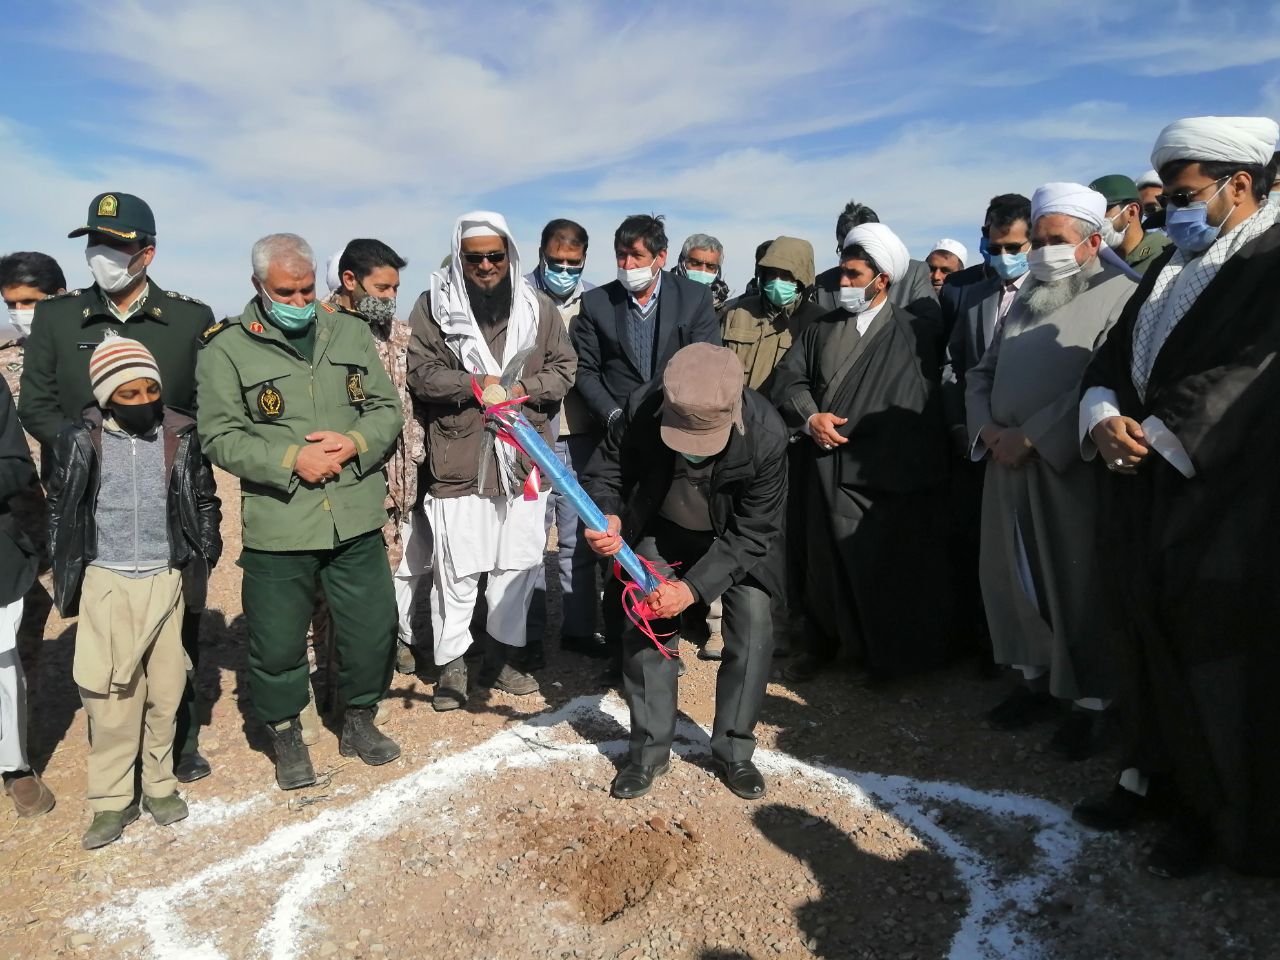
<point>31,798</point>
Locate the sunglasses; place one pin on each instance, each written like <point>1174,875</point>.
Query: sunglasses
<point>1185,197</point>
<point>475,259</point>
<point>996,249</point>
<point>566,266</point>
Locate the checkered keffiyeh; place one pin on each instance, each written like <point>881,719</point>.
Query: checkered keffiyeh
<point>1180,284</point>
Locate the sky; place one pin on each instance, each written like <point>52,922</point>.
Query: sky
<point>746,120</point>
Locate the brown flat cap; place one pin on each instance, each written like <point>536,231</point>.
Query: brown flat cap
<point>702,399</point>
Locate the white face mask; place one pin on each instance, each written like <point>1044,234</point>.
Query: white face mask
<point>1112,235</point>
<point>1054,262</point>
<point>110,267</point>
<point>635,279</point>
<point>854,299</point>
<point>20,317</point>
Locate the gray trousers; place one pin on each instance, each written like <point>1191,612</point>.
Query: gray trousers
<point>650,679</point>
<point>577,564</point>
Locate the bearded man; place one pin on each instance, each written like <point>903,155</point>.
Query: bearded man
<point>1039,580</point>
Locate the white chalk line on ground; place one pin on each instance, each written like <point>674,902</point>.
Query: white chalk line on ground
<point>311,854</point>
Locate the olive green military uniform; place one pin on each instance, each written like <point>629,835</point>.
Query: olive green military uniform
<point>260,396</point>
<point>56,389</point>
<point>1147,252</point>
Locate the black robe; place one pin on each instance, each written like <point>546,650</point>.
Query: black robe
<point>1192,564</point>
<point>877,573</point>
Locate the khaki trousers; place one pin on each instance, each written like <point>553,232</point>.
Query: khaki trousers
<point>131,621</point>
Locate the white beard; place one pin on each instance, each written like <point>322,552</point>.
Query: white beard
<point>1044,298</point>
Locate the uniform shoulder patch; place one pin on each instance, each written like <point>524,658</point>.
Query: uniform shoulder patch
<point>327,307</point>
<point>211,332</point>
<point>174,295</point>
<point>65,294</point>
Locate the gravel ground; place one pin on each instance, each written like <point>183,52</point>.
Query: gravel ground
<point>449,855</point>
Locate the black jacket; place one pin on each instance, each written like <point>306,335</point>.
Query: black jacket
<point>194,510</point>
<point>608,374</point>
<point>18,555</point>
<point>966,303</point>
<point>630,477</point>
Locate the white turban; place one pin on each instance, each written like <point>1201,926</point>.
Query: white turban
<point>883,246</point>
<point>475,228</point>
<point>1228,139</point>
<point>953,247</point>
<point>1149,179</point>
<point>1072,199</point>
<point>333,279</point>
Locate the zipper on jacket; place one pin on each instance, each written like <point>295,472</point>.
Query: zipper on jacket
<point>137,530</point>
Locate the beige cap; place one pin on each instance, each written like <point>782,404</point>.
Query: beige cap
<point>702,399</point>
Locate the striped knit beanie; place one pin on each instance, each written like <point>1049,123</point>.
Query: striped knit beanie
<point>116,361</point>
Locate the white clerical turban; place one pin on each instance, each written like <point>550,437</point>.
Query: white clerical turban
<point>1228,139</point>
<point>883,246</point>
<point>332,278</point>
<point>1072,199</point>
<point>1149,179</point>
<point>953,247</point>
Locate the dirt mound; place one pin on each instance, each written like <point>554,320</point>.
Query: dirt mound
<point>608,869</point>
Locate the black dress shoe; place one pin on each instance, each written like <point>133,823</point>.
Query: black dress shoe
<point>1117,809</point>
<point>742,777</point>
<point>1183,850</point>
<point>191,767</point>
<point>592,645</point>
<point>635,780</point>
<point>1081,735</point>
<point>1022,708</point>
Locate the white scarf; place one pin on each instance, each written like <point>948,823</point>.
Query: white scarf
<point>1180,284</point>
<point>451,310</point>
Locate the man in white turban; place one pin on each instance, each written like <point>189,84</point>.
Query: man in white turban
<point>1149,187</point>
<point>946,258</point>
<point>861,388</point>
<point>1039,581</point>
<point>1182,408</point>
<point>481,325</point>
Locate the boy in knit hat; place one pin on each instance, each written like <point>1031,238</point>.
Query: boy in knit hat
<point>133,533</point>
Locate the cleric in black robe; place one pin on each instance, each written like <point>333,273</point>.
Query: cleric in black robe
<point>1182,403</point>
<point>861,388</point>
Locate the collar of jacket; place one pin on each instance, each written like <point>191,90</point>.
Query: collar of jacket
<point>174,426</point>
<point>97,307</point>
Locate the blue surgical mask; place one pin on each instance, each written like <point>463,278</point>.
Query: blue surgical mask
<point>560,282</point>
<point>781,293</point>
<point>695,458</point>
<point>1189,228</point>
<point>700,276</point>
<point>984,250</point>
<point>289,318</point>
<point>1009,266</point>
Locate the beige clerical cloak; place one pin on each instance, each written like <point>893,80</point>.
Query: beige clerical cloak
<point>1038,567</point>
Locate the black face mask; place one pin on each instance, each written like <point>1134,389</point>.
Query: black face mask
<point>139,419</point>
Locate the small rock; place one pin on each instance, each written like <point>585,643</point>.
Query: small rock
<point>328,948</point>
<point>81,940</point>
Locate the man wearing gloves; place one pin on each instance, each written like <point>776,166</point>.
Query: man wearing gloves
<point>482,325</point>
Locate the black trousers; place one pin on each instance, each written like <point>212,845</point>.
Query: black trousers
<point>650,680</point>
<point>186,739</point>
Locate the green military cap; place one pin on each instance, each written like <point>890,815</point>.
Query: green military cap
<point>119,215</point>
<point>1117,188</point>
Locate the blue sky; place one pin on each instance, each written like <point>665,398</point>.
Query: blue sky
<point>746,120</point>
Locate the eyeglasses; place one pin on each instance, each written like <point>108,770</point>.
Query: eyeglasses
<point>996,249</point>
<point>1185,197</point>
<point>566,266</point>
<point>475,259</point>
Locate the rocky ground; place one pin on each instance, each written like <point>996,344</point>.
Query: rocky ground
<point>896,826</point>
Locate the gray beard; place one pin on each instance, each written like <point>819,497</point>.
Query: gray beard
<point>1042,299</point>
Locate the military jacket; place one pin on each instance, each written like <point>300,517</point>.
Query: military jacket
<point>260,398</point>
<point>66,329</point>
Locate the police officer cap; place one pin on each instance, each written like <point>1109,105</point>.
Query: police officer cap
<point>119,215</point>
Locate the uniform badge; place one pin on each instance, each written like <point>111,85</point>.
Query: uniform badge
<point>355,389</point>
<point>270,403</point>
<point>108,206</point>
<point>255,327</point>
